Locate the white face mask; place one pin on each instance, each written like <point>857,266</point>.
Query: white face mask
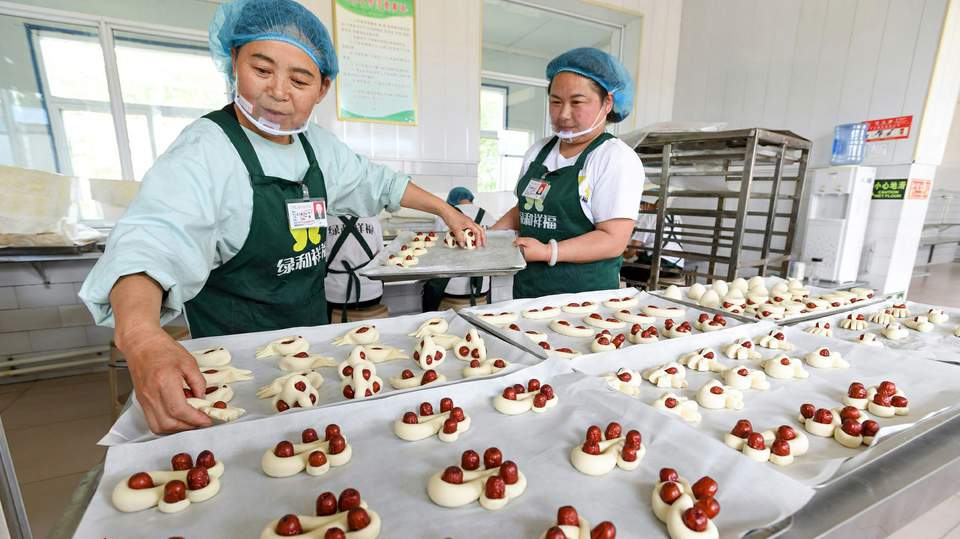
<point>568,136</point>
<point>247,108</point>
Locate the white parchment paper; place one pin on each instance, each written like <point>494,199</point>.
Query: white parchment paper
<point>929,387</point>
<point>132,425</point>
<point>583,343</point>
<point>498,257</point>
<point>392,474</point>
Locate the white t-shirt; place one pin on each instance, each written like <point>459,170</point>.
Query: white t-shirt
<point>611,181</point>
<point>671,232</point>
<point>460,286</point>
<point>352,252</point>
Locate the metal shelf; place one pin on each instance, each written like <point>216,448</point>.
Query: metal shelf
<point>733,156</point>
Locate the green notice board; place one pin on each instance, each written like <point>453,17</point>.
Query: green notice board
<point>889,189</point>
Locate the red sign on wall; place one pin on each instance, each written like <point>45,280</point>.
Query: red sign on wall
<point>889,128</point>
<point>919,189</point>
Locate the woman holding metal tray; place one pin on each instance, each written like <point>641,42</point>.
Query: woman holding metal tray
<point>579,191</point>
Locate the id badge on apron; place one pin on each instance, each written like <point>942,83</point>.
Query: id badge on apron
<point>536,189</point>
<point>309,213</point>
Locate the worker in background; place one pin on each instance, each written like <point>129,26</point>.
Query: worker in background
<point>458,287</point>
<point>579,192</point>
<point>352,242</point>
<point>671,242</point>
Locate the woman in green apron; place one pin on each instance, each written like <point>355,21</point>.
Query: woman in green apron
<point>579,192</point>
<point>230,222</point>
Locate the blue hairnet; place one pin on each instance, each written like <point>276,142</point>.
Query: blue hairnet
<point>603,68</point>
<point>457,194</point>
<point>242,21</point>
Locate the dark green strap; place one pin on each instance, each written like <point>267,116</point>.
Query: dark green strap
<point>349,228</point>
<point>545,151</point>
<point>235,133</point>
<point>480,213</point>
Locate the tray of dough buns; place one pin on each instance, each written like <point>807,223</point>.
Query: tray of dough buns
<point>769,298</point>
<point>927,330</point>
<point>255,375</point>
<point>427,255</point>
<point>494,474</point>
<point>569,325</point>
<point>725,378</point>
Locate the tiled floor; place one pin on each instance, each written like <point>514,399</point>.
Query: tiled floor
<point>53,426</point>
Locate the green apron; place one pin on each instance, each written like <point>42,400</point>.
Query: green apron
<point>558,215</point>
<point>275,281</point>
<point>349,228</point>
<point>433,289</point>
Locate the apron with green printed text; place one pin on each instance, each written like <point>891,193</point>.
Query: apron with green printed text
<point>558,215</point>
<point>275,281</point>
<point>353,280</point>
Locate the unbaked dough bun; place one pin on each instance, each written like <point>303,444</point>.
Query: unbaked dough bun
<point>403,261</point>
<point>633,318</point>
<point>427,354</point>
<point>573,526</point>
<point>868,339</point>
<point>287,345</point>
<point>673,330</point>
<point>710,298</point>
<point>415,249</point>
<point>378,353</point>
<point>685,408</point>
<point>426,240</point>
<point>783,368</point>
<point>741,348</point>
<point>659,312</point>
<point>863,293</point>
<point>673,292</point>
<point>775,340</point>
<point>598,321</point>
<point>668,375</point>
<point>471,347</point>
<point>820,328</point>
<point>601,452</point>
<point>298,391</point>
<point>639,335</point>
<point>567,329</point>
<point>304,360</point>
<point>900,310</point>
<point>487,367</point>
<point>937,316</point>
<point>743,378</point>
<point>678,530</point>
<point>541,314</point>
<point>702,360</point>
<point>756,280</point>
<point>621,303</point>
<point>854,322</point>
<point>604,342</point>
<point>472,480</point>
<point>824,358</point>
<point>566,353</point>
<point>445,340</point>
<point>224,375</point>
<point>358,376</point>
<point>713,395</point>
<point>447,424</point>
<point>705,324</point>
<point>894,332</point>
<point>216,410</point>
<point>625,380</point>
<point>580,308</point>
<point>517,399</point>
<point>919,323</point>
<point>470,240</point>
<point>660,507</point>
<point>431,326</point>
<point>740,284</point>
<point>144,490</point>
<point>318,526</point>
<point>499,319</point>
<point>217,356</point>
<point>720,287</point>
<point>274,387</point>
<point>364,334</point>
<point>882,317</point>
<point>406,379</point>
<point>288,459</point>
<point>696,291</point>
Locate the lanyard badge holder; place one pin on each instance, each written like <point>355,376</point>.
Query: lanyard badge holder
<point>537,189</point>
<point>306,212</point>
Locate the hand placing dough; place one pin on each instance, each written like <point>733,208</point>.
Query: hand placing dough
<point>217,410</point>
<point>470,240</point>
<point>314,455</point>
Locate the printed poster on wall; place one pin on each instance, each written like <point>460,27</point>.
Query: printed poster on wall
<point>919,189</point>
<point>376,50</point>
<point>889,128</point>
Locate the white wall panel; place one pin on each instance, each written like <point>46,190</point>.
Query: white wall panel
<point>779,79</point>
<point>757,64</point>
